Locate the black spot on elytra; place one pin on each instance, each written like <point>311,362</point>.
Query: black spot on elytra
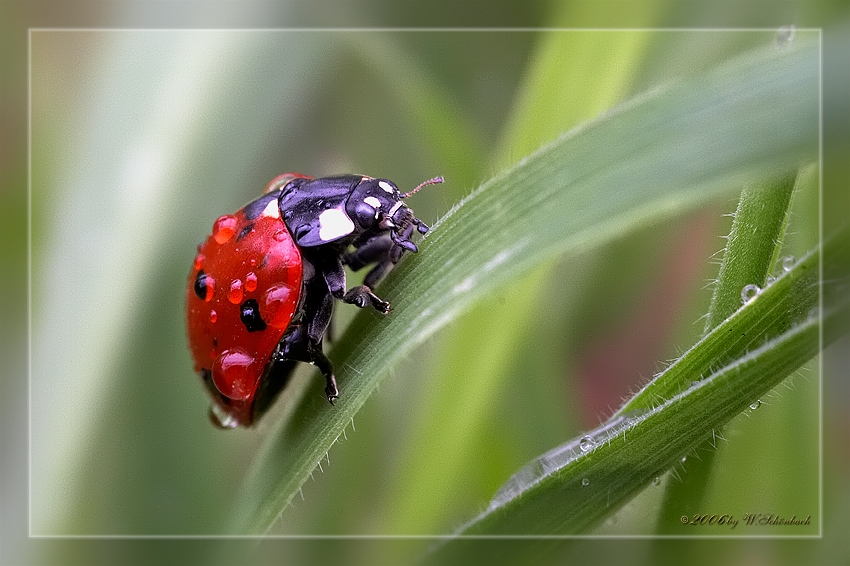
<point>254,209</point>
<point>250,315</point>
<point>245,231</point>
<point>201,285</point>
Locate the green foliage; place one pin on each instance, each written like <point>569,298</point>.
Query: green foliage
<point>634,161</point>
<point>751,251</point>
<point>604,156</point>
<point>575,486</point>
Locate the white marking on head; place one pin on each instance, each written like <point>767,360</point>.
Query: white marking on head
<point>386,186</point>
<point>272,209</point>
<point>373,202</point>
<point>334,223</point>
<point>395,207</point>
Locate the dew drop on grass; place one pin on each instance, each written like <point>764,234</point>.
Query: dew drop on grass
<point>785,35</point>
<point>770,280</point>
<point>788,262</point>
<point>560,457</point>
<point>749,292</point>
<point>657,481</point>
<point>684,459</point>
<point>755,405</point>
<point>585,482</point>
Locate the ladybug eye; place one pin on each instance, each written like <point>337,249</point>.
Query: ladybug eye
<point>366,215</point>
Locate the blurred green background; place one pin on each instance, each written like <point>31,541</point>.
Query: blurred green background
<point>141,138</point>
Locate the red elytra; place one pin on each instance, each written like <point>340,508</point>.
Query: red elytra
<point>239,261</point>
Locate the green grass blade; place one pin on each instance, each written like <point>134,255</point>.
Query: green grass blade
<point>751,249</point>
<point>786,302</point>
<point>752,245</point>
<point>573,487</point>
<point>481,347</point>
<point>665,152</point>
<point>624,458</point>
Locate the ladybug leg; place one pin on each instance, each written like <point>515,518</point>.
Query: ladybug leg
<point>362,296</point>
<point>377,273</point>
<point>382,251</point>
<point>305,342</point>
<point>326,367</point>
<point>378,250</point>
<point>334,275</point>
<point>316,327</point>
<point>371,251</point>
<point>299,346</point>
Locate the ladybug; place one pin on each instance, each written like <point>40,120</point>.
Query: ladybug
<point>262,287</point>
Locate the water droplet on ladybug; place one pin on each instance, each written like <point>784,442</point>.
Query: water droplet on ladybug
<point>224,228</point>
<point>280,235</point>
<point>220,418</point>
<point>213,316</point>
<point>232,374</point>
<point>251,281</point>
<point>253,262</point>
<point>278,304</point>
<point>234,295</point>
<point>213,354</point>
<point>199,261</point>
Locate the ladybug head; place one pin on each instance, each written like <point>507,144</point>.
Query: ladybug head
<point>377,204</point>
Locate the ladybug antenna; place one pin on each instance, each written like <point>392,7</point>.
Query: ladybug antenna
<point>433,181</point>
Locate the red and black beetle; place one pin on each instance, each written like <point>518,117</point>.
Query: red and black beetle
<point>262,287</point>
